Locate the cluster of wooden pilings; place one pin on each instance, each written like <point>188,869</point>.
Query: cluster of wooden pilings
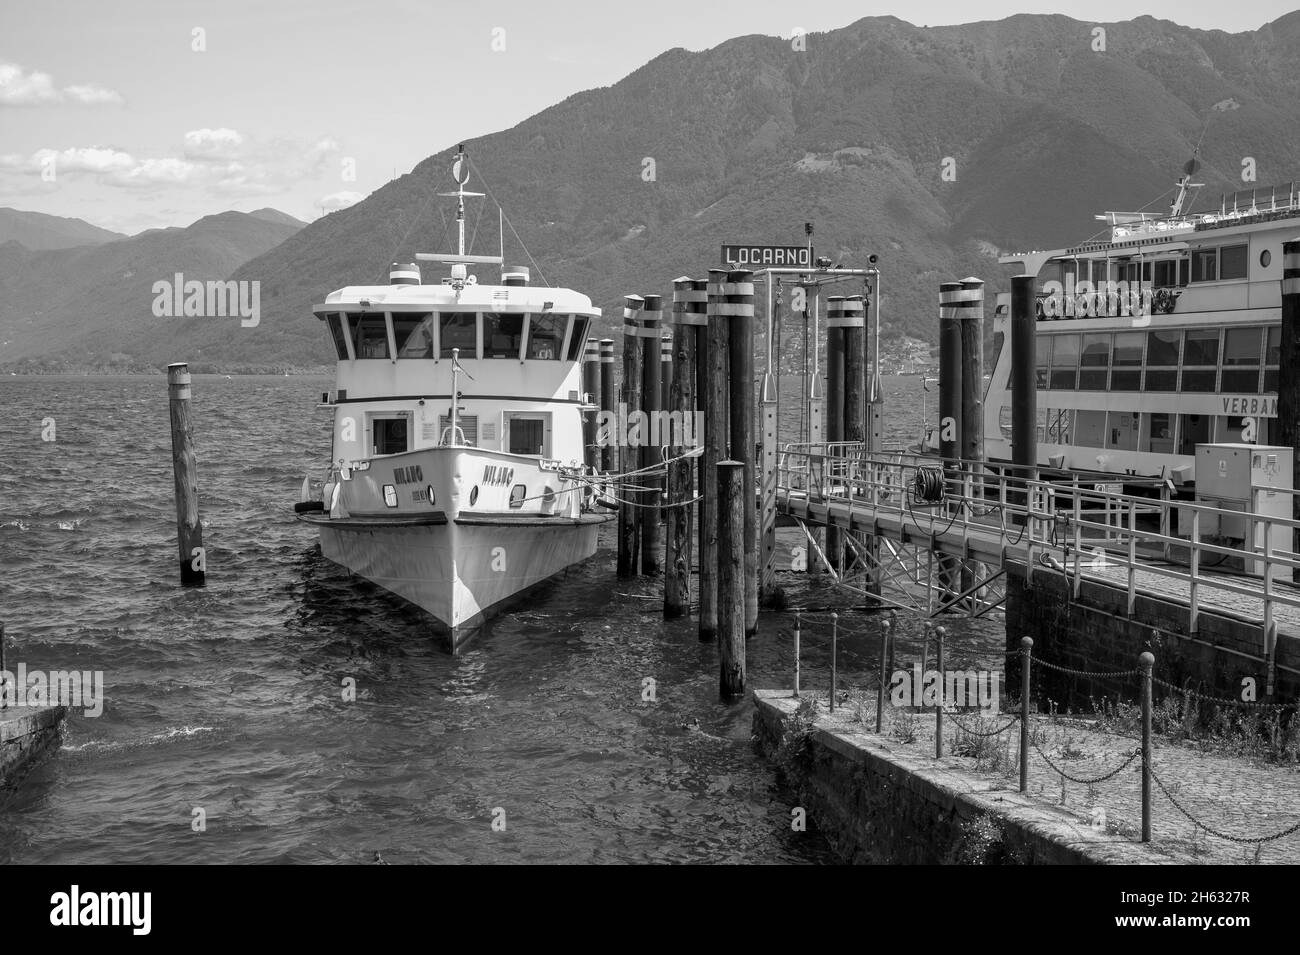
<point>703,372</point>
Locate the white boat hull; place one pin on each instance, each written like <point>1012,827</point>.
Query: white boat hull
<point>457,560</point>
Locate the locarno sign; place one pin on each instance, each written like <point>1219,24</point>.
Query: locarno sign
<point>774,256</point>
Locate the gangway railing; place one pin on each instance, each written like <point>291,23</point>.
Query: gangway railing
<point>1056,524</point>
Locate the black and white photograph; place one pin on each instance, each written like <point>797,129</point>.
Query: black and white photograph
<point>648,434</point>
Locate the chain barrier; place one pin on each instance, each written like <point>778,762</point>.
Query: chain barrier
<point>1240,840</point>
<point>1086,782</point>
<point>1015,721</point>
<point>1224,701</point>
<point>1039,662</point>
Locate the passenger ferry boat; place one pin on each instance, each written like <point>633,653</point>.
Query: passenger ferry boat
<point>1163,335</point>
<point>457,477</point>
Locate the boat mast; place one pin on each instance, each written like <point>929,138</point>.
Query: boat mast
<point>460,173</point>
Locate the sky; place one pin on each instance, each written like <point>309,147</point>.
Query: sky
<point>144,113</point>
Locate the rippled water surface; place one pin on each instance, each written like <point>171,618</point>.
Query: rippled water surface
<point>228,697</point>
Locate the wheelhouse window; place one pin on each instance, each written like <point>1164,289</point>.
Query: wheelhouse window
<point>1126,362</point>
<point>458,330</point>
<point>1094,362</point>
<point>527,432</point>
<point>1232,262</point>
<point>1065,361</point>
<point>1200,359</point>
<point>546,336</point>
<point>501,334</point>
<point>1205,265</point>
<point>371,336</point>
<point>1241,354</point>
<point>579,337</point>
<point>414,334</point>
<point>1163,351</point>
<point>335,321</point>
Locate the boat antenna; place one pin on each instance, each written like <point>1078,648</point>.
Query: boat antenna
<point>460,173</point>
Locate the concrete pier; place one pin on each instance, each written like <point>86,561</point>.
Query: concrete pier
<point>27,734</point>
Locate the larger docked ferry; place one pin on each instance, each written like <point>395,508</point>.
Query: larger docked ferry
<point>1162,335</point>
<point>457,478</point>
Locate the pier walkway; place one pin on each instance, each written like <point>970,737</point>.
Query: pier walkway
<point>928,537</point>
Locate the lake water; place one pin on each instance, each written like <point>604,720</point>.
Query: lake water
<point>228,698</point>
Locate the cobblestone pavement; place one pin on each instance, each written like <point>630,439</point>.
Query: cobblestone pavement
<point>1236,796</point>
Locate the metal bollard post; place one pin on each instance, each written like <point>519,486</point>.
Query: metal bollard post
<point>1145,662</point>
<point>796,656</point>
<point>938,710</point>
<point>1026,655</point>
<point>880,696</point>
<point>835,636</point>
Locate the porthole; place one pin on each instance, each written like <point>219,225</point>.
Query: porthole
<point>433,498</point>
<point>517,495</point>
<point>390,495</point>
<point>473,496</point>
<point>1265,258</point>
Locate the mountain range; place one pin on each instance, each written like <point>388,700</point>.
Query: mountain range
<point>91,306</point>
<point>934,148</point>
<point>37,231</point>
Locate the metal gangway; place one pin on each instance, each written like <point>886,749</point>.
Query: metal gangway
<point>939,537</point>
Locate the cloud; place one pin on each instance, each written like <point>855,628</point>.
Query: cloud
<point>207,143</point>
<point>339,200</point>
<point>222,160</point>
<point>21,88</point>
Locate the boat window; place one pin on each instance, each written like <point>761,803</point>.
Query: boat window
<point>1241,347</point>
<point>457,331</point>
<point>1205,265</point>
<point>1042,359</point>
<point>414,334</point>
<point>501,334</point>
<point>1272,355</point>
<point>1193,429</point>
<point>1160,433</point>
<point>579,337</point>
<point>1126,359</point>
<point>372,336</point>
<point>1163,349</point>
<point>1166,273</point>
<point>335,322</point>
<point>546,336</point>
<point>1094,361</point>
<point>1232,262</point>
<point>1065,361</point>
<point>526,436</point>
<point>1200,348</point>
<point>390,435</point>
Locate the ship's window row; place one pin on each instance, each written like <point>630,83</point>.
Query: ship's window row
<point>1213,264</point>
<point>539,336</point>
<point>1147,431</point>
<point>1240,360</point>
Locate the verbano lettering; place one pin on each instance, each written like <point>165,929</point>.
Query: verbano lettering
<point>77,908</point>
<point>411,475</point>
<point>1262,405</point>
